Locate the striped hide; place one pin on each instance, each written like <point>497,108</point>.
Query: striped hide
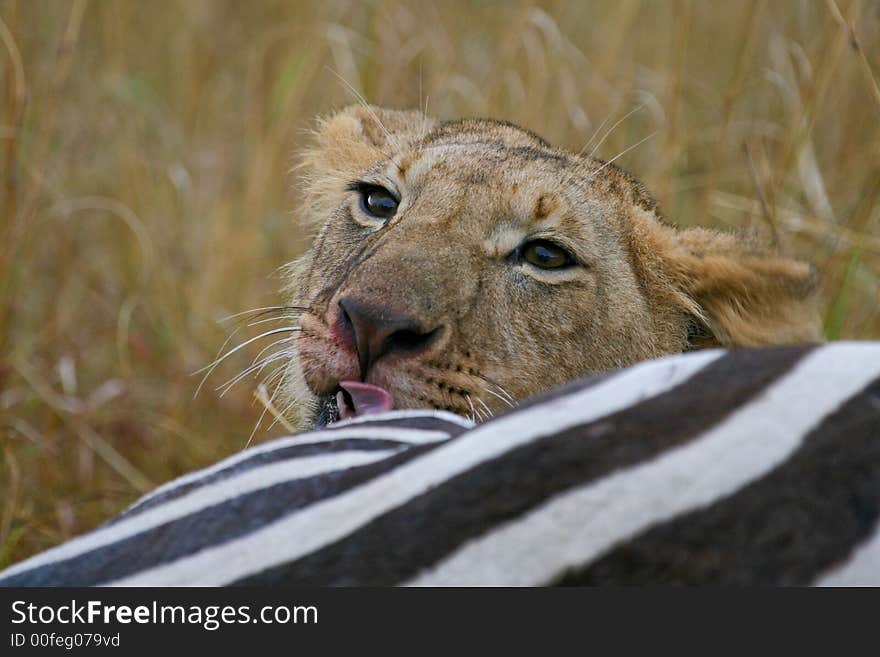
<point>713,467</point>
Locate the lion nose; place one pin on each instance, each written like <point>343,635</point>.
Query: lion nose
<point>377,331</point>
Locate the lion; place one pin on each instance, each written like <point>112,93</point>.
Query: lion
<point>468,265</point>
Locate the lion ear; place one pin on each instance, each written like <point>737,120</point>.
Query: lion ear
<point>745,296</point>
<point>348,142</point>
<point>733,292</point>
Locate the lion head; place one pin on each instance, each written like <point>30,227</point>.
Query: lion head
<point>468,265</point>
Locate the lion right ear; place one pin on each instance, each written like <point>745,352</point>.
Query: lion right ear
<point>349,142</point>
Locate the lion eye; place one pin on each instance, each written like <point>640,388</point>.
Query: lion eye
<point>546,255</point>
<point>378,202</point>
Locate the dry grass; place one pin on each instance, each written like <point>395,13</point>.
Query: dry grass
<point>144,151</point>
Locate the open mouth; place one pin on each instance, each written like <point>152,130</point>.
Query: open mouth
<point>354,399</point>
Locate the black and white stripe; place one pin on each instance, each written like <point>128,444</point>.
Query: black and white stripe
<point>741,467</point>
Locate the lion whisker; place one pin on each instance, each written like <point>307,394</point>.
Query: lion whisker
<point>265,349</point>
<point>611,129</point>
<point>263,310</point>
<point>489,412</point>
<point>478,414</point>
<point>219,351</point>
<point>283,329</point>
<point>495,394</point>
<point>213,365</point>
<point>271,319</point>
<point>363,102</point>
<point>276,373</point>
<point>473,416</point>
<point>595,134</point>
<point>506,397</point>
<point>257,367</point>
<point>622,153</point>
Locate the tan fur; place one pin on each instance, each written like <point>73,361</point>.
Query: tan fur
<point>471,193</point>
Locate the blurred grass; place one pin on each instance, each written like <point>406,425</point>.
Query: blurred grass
<point>145,150</point>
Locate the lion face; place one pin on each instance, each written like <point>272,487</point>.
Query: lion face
<point>467,266</point>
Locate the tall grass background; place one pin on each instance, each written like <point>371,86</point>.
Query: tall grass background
<point>145,150</point>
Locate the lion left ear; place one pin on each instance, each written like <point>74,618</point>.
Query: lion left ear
<point>737,294</point>
<point>747,297</point>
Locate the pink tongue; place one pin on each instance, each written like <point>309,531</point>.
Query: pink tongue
<point>366,398</point>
